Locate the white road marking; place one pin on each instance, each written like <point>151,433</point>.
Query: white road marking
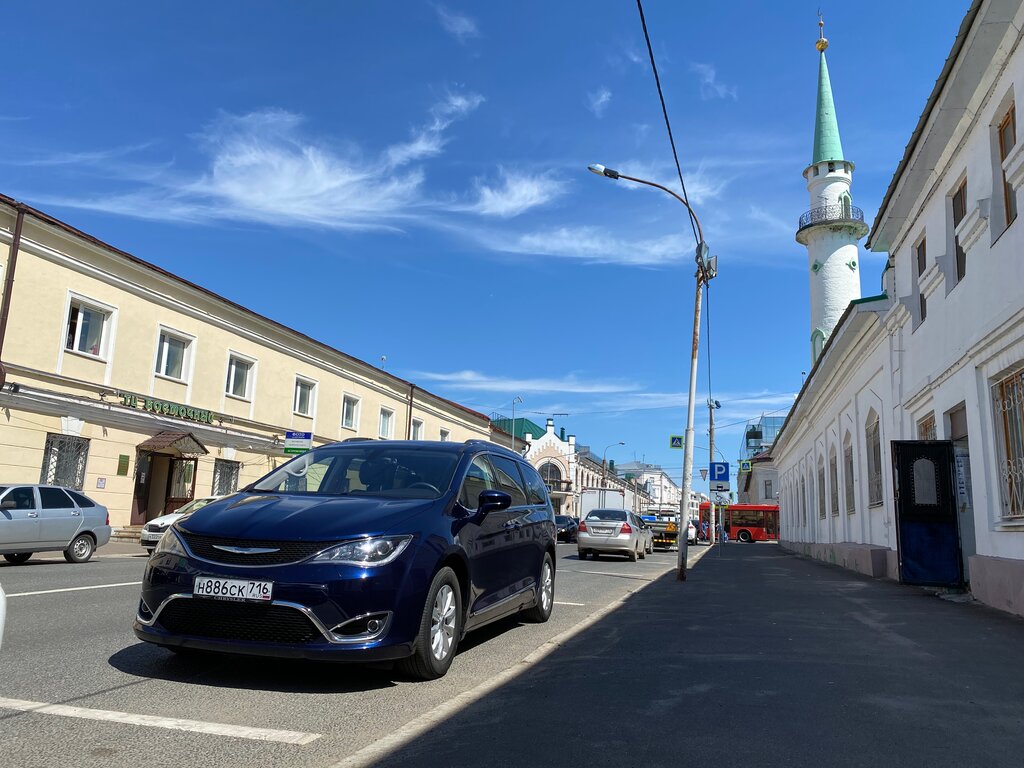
<point>377,752</point>
<point>171,723</point>
<point>620,575</point>
<point>558,603</point>
<point>77,589</point>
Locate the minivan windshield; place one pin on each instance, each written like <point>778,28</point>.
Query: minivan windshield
<point>365,469</point>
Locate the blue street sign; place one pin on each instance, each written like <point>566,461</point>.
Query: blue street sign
<point>719,476</point>
<point>675,441</point>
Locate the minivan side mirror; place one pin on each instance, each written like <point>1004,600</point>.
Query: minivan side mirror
<point>492,501</point>
<point>8,505</point>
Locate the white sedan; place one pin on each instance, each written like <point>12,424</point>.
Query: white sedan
<point>154,529</point>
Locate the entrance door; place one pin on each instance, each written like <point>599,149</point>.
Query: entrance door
<point>927,534</point>
<point>140,498</point>
<point>181,484</point>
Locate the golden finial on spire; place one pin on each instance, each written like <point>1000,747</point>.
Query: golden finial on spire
<point>822,43</point>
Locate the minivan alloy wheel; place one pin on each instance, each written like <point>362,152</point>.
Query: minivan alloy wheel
<point>442,624</point>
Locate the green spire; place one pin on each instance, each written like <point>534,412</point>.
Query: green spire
<point>827,145</point>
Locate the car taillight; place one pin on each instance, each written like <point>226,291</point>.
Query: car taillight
<point>626,528</point>
<point>583,527</point>
<point>108,519</point>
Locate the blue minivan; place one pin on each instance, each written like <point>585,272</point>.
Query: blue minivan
<point>358,551</point>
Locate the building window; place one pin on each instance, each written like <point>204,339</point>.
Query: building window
<point>64,458</point>
<point>926,428</point>
<point>803,501</point>
<point>387,424</point>
<point>305,396</point>
<point>1008,402</point>
<point>1007,138</point>
<point>817,344</point>
<point>171,356</point>
<point>821,488</point>
<point>959,211</point>
<point>225,477</point>
<point>417,429</point>
<point>446,435</point>
<point>873,442</point>
<point>921,254</point>
<point>239,380</point>
<point>350,412</point>
<point>851,505</point>
<point>833,479</point>
<point>847,203</point>
<point>768,489</point>
<point>86,329</point>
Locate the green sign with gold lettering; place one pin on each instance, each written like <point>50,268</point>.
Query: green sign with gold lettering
<point>167,409</point>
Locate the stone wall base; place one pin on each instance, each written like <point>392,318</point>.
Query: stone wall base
<point>998,582</point>
<point>868,559</point>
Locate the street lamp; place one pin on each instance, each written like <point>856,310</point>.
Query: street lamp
<point>604,471</point>
<point>517,399</point>
<point>706,269</point>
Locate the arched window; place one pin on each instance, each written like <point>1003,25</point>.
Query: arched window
<point>873,448</point>
<point>817,344</point>
<point>851,505</point>
<point>550,471</point>
<point>821,487</point>
<point>803,502</point>
<point>833,481</point>
<point>847,204</point>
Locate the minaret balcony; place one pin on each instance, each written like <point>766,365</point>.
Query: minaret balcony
<point>838,216</point>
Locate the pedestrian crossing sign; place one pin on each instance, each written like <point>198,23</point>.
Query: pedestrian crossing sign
<point>675,441</point>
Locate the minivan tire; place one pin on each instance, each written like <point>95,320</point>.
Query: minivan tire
<point>81,549</point>
<point>541,612</point>
<point>18,558</point>
<point>424,664</point>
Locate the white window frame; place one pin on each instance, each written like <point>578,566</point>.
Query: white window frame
<point>109,314</point>
<point>389,433</point>
<point>356,408</point>
<point>186,359</point>
<point>250,380</point>
<point>312,384</point>
<point>417,429</point>
<point>446,435</point>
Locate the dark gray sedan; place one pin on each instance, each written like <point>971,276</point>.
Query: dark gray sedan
<point>48,518</point>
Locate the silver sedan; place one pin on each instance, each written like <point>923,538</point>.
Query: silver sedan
<point>50,518</point>
<point>610,531</point>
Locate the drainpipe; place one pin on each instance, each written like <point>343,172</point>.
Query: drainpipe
<point>5,308</point>
<point>408,417</point>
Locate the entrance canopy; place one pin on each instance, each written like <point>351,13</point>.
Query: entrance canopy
<point>184,443</point>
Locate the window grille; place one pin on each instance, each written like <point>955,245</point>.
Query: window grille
<point>225,477</point>
<point>64,460</point>
<point>1008,403</point>
<point>926,428</point>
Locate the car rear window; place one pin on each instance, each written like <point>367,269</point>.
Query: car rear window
<point>561,519</point>
<point>83,501</point>
<point>607,514</point>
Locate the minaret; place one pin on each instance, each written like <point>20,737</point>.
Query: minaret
<point>833,225</point>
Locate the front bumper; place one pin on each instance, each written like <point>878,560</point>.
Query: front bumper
<point>150,539</point>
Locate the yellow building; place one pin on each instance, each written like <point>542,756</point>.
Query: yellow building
<point>144,390</point>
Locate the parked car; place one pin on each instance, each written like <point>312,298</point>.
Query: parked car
<point>358,551</point>
<point>609,531</point>
<point>647,533</point>
<point>49,518</point>
<point>566,528</point>
<point>691,532</point>
<point>154,529</point>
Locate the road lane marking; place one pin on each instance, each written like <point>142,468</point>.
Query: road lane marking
<point>376,752</point>
<point>171,723</point>
<point>620,575</point>
<point>76,589</point>
<point>558,603</point>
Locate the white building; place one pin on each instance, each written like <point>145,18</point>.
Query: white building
<point>664,493</point>
<point>937,357</point>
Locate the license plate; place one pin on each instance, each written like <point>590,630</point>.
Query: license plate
<point>233,589</point>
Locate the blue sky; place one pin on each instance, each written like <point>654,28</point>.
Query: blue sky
<point>409,179</point>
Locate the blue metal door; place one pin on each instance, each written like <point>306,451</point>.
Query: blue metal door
<point>927,533</point>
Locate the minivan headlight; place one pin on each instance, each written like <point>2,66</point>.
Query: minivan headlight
<point>365,552</point>
<point>170,544</point>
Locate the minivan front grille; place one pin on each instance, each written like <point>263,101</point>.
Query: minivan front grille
<point>283,551</point>
<point>248,622</point>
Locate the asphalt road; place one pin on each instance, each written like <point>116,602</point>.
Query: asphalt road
<point>75,649</point>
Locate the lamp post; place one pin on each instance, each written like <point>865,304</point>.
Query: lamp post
<point>604,471</point>
<point>706,269</point>
<point>516,399</point>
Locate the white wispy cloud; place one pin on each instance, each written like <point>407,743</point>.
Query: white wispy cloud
<point>458,25</point>
<point>515,193</point>
<point>590,244</point>
<point>571,384</point>
<point>702,182</point>
<point>597,102</point>
<point>95,157</point>
<point>262,167</point>
<point>710,86</point>
<point>774,223</point>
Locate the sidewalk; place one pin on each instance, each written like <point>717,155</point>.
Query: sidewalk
<point>760,658</point>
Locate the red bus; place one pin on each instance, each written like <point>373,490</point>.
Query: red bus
<point>747,522</point>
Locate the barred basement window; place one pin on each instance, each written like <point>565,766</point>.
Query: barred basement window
<point>225,477</point>
<point>1008,403</point>
<point>64,460</point>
